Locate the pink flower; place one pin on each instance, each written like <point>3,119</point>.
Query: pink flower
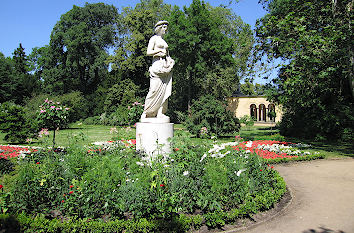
<point>42,111</point>
<point>52,107</point>
<point>46,100</point>
<point>67,108</point>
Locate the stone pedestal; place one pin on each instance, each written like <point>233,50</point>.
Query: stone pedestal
<point>153,138</point>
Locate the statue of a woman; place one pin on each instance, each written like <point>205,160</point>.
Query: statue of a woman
<point>160,75</point>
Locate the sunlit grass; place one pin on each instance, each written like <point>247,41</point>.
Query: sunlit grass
<point>86,134</point>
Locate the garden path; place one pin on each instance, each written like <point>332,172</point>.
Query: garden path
<point>323,199</point>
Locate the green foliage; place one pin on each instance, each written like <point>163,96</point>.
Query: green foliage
<point>52,115</point>
<point>315,87</point>
<point>77,103</point>
<point>122,116</point>
<point>16,83</point>
<point>6,166</point>
<point>212,114</point>
<point>209,45</point>
<point>75,59</point>
<point>81,190</point>
<point>137,25</point>
<point>121,94</point>
<point>15,123</point>
<point>247,120</point>
<point>8,84</point>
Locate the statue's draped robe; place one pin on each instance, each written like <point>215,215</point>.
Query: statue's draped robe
<point>160,82</point>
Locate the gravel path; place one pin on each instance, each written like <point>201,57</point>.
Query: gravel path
<point>323,200</point>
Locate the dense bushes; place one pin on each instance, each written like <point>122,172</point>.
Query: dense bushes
<point>15,122</point>
<point>119,187</point>
<point>78,105</point>
<point>120,94</point>
<point>122,115</point>
<point>209,116</point>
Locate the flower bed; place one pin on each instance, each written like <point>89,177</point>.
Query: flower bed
<point>7,151</point>
<point>277,151</point>
<point>119,187</point>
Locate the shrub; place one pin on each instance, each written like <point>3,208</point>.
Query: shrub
<point>123,115</point>
<point>210,116</point>
<point>75,101</point>
<point>247,120</point>
<point>95,120</point>
<point>120,94</point>
<point>15,123</point>
<point>52,115</point>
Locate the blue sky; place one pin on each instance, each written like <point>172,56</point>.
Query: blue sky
<point>30,22</point>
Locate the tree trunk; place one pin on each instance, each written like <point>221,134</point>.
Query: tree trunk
<point>54,138</point>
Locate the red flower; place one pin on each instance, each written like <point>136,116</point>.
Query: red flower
<point>271,167</point>
<point>71,186</point>
<point>71,192</point>
<point>38,163</point>
<point>260,169</point>
<point>176,149</point>
<point>162,185</point>
<point>1,186</point>
<point>62,201</point>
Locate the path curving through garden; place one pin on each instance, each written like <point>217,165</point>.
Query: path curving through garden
<point>323,199</point>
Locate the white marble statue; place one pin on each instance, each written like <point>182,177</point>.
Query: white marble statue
<point>160,75</point>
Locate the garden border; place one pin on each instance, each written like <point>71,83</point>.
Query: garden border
<point>281,208</point>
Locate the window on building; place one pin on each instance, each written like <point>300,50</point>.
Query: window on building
<point>253,111</point>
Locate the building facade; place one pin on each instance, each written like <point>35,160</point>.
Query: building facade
<point>257,107</point>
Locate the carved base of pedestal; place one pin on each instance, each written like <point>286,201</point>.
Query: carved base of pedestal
<point>153,138</point>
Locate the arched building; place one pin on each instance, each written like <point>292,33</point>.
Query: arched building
<point>257,107</point>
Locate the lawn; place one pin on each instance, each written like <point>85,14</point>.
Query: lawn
<point>81,134</point>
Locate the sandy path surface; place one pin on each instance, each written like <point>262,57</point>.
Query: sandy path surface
<point>323,198</point>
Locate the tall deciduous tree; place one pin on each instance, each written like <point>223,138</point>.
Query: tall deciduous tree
<point>205,42</point>
<point>78,49</point>
<point>316,86</point>
<point>137,26</point>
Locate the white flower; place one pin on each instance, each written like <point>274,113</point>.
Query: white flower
<point>240,171</point>
<point>140,164</point>
<point>203,157</point>
<point>248,151</point>
<point>186,173</point>
<point>249,144</point>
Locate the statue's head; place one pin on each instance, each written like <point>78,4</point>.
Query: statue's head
<point>159,25</point>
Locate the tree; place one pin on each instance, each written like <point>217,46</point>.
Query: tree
<point>78,49</point>
<point>315,88</point>
<point>137,26</point>
<point>204,42</point>
<point>27,83</point>
<point>8,85</point>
